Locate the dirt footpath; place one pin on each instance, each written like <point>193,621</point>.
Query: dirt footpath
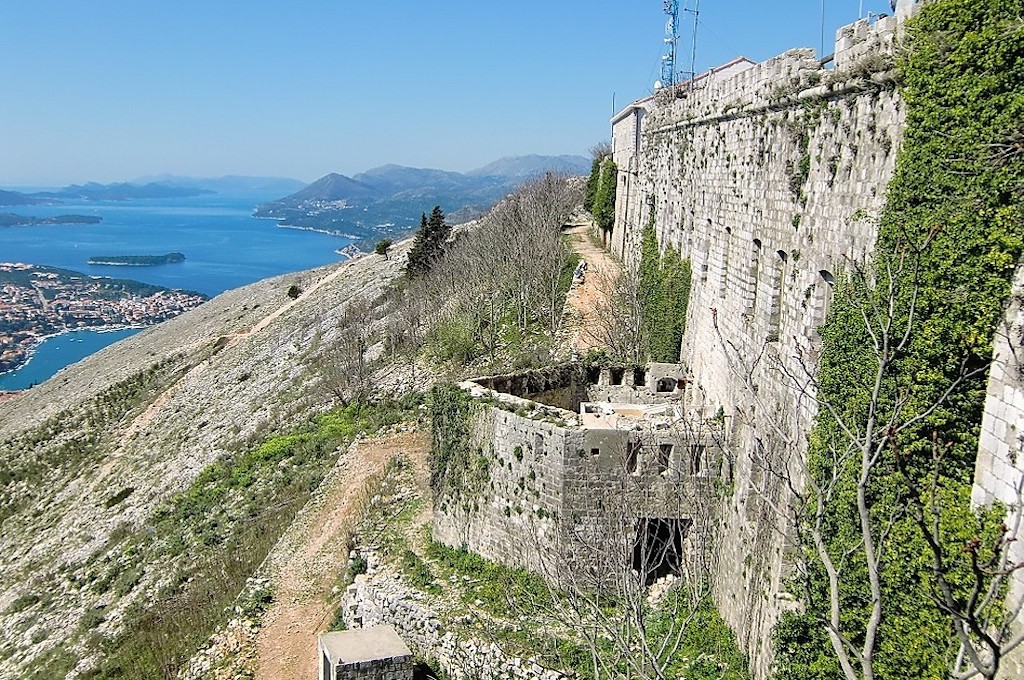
<point>580,330</point>
<point>313,553</point>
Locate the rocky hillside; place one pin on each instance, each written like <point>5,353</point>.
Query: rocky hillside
<point>89,456</point>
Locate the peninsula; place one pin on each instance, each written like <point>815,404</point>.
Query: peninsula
<point>37,302</point>
<point>136,260</point>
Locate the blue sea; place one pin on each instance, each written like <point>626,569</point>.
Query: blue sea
<point>58,352</point>
<point>224,247</point>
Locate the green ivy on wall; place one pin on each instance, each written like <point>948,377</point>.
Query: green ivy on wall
<point>458,471</point>
<point>601,202</point>
<point>950,238</point>
<point>664,288</point>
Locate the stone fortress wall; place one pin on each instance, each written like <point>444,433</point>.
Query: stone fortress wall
<point>566,460</point>
<point>769,177</point>
<point>999,469</point>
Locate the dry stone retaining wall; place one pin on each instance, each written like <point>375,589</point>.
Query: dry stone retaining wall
<point>378,598</point>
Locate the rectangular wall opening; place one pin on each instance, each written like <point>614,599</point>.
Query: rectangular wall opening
<point>667,384</point>
<point>664,457</point>
<point>658,548</point>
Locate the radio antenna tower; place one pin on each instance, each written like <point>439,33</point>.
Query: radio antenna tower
<point>668,60</point>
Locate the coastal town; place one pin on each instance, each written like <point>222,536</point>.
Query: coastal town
<point>37,302</point>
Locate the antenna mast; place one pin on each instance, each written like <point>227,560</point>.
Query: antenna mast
<point>668,60</point>
<point>693,41</point>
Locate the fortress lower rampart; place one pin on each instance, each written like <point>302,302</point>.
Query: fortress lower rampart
<point>576,470</point>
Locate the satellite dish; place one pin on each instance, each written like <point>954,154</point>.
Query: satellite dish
<point>657,85</point>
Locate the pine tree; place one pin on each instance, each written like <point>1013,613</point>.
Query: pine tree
<point>428,243</point>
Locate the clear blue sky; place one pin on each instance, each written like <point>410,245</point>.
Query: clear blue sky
<point>109,90</point>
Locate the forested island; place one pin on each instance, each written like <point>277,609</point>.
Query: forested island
<point>12,220</point>
<point>137,260</point>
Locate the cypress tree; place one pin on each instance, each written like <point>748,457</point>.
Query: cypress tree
<point>592,183</point>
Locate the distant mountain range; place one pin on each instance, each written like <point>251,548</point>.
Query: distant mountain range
<point>390,198</point>
<point>383,200</point>
<point>228,184</point>
<point>121,191</point>
<point>18,198</point>
<point>533,165</point>
<point>162,186</point>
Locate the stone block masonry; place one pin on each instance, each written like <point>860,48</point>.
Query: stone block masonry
<point>375,653</point>
<point>999,469</point>
<point>562,493</point>
<point>769,178</point>
<point>378,598</point>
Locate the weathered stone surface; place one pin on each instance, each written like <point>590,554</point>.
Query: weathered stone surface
<point>769,178</point>
<point>371,653</point>
<point>564,496</point>
<point>378,598</point>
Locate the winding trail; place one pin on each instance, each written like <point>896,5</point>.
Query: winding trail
<point>312,553</point>
<point>306,561</point>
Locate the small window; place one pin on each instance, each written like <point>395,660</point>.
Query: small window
<point>664,456</point>
<point>667,384</point>
<point>639,377</point>
<point>327,668</point>
<point>595,452</point>
<point>617,375</point>
<point>633,457</point>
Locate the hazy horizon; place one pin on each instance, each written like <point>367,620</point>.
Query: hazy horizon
<point>114,92</point>
<point>157,177</point>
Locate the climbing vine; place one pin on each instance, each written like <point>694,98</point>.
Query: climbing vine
<point>664,289</point>
<point>602,206</point>
<point>949,240</point>
<point>458,473</point>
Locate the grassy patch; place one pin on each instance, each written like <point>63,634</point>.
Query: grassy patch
<point>217,532</point>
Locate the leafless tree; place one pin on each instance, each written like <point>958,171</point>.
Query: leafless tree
<point>345,365</point>
<point>980,622</point>
<point>506,271</point>
<point>617,318</point>
<point>601,150</point>
<point>886,300</point>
